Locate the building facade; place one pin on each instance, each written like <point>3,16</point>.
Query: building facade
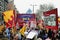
<point>3,7</point>
<point>10,5</point>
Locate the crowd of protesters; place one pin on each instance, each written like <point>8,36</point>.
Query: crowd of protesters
<point>49,34</point>
<point>43,33</point>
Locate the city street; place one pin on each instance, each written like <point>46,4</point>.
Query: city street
<point>29,20</point>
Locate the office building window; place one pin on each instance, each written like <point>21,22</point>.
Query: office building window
<point>0,3</point>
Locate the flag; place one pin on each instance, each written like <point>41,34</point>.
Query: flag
<point>9,17</point>
<point>23,30</point>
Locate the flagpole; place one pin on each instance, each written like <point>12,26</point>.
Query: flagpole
<point>13,18</point>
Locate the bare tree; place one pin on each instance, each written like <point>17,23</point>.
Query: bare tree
<point>43,8</point>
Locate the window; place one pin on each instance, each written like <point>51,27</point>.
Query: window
<point>0,3</point>
<point>0,8</point>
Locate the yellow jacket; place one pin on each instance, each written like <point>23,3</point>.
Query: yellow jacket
<point>22,30</point>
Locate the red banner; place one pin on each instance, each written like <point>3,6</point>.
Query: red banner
<point>51,19</point>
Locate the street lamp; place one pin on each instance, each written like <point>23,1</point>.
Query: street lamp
<point>33,5</point>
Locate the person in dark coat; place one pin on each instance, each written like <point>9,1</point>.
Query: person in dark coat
<point>50,33</point>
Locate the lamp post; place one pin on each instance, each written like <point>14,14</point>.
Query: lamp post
<point>33,5</point>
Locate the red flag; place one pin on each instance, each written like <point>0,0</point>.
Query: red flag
<point>9,18</point>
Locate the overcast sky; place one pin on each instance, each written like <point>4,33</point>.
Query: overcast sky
<point>23,5</point>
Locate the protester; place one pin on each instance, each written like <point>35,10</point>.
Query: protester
<point>48,38</point>
<point>39,39</point>
<point>8,33</point>
<point>16,37</point>
<point>59,34</point>
<point>19,35</point>
<point>50,33</point>
<point>54,34</point>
